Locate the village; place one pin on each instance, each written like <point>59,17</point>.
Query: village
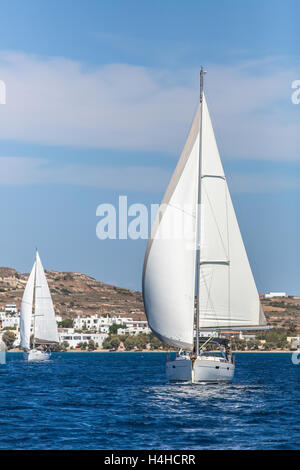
<point>113,332</point>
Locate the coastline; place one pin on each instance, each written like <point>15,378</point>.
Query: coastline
<point>272,351</point>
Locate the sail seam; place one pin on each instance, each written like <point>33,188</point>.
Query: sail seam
<point>208,289</point>
<point>214,176</point>
<point>216,223</point>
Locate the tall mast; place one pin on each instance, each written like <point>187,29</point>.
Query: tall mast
<point>34,300</point>
<point>202,73</point>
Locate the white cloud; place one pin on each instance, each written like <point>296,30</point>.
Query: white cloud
<point>16,171</point>
<point>61,102</point>
<point>263,184</point>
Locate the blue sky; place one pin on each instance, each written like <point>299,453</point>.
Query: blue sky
<point>100,96</point>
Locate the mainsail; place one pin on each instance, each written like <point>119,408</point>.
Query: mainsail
<point>169,265</point>
<point>227,292</point>
<point>26,310</point>
<point>45,322</point>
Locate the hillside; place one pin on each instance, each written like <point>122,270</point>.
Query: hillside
<point>283,312</point>
<point>75,294</point>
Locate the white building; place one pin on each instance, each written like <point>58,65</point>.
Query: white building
<point>275,294</point>
<point>130,323</point>
<point>10,322</point>
<point>133,330</point>
<point>294,342</point>
<point>133,327</point>
<point>94,322</point>
<point>10,308</point>
<point>102,324</point>
<point>2,315</point>
<point>247,337</point>
<point>68,334</point>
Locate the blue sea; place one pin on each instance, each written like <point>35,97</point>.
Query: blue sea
<point>123,401</point>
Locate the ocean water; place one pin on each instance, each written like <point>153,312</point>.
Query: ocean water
<point>123,401</point>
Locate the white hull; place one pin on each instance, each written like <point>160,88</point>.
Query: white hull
<point>203,369</point>
<point>37,355</point>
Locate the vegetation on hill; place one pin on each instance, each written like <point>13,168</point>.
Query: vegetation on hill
<point>9,338</point>
<point>133,342</point>
<point>75,294</point>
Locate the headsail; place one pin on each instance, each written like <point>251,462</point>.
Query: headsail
<point>26,311</point>
<point>45,322</point>
<point>169,265</point>
<point>228,294</point>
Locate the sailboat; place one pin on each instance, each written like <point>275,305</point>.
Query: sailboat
<point>196,251</point>
<point>37,310</point>
<point>2,351</point>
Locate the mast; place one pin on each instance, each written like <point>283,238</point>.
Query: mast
<point>34,299</point>
<point>198,262</point>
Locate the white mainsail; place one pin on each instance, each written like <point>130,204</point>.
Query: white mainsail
<point>45,322</point>
<point>169,265</point>
<point>227,292</point>
<point>26,310</point>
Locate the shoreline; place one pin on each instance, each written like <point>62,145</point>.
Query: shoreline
<point>272,351</point>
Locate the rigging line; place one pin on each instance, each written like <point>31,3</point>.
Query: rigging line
<point>216,129</point>
<point>209,300</point>
<point>228,251</point>
<point>182,210</point>
<point>215,220</point>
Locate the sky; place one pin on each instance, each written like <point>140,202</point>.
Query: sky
<point>99,100</point>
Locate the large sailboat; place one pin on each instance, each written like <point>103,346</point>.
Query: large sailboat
<point>37,315</point>
<point>196,250</point>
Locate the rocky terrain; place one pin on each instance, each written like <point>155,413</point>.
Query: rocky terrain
<point>283,312</point>
<point>77,294</point>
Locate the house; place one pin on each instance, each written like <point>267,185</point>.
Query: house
<point>275,294</point>
<point>10,308</point>
<point>247,337</point>
<point>74,339</point>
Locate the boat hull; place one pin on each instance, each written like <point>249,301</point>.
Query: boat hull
<point>35,355</point>
<point>199,371</point>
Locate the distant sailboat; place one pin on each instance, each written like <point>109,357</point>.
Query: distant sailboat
<point>211,263</point>
<point>2,351</point>
<point>37,295</point>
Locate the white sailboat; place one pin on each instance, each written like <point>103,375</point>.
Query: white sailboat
<point>37,295</point>
<point>210,263</point>
<point>2,351</point>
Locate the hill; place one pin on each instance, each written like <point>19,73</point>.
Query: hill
<point>75,294</point>
<point>283,312</point>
